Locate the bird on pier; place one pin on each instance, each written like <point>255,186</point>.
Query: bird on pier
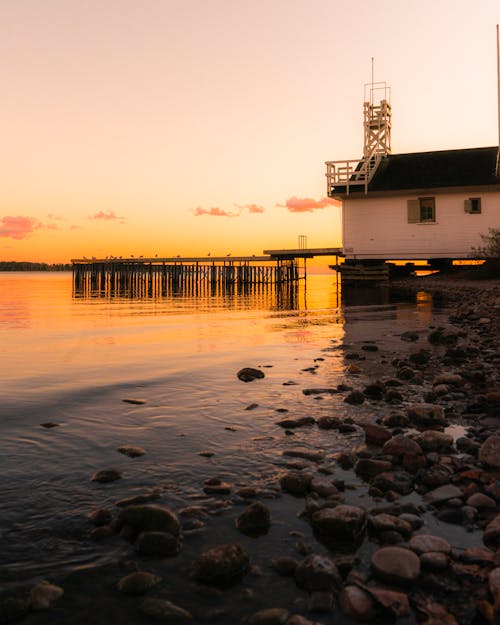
<point>228,254</point>
<point>208,254</point>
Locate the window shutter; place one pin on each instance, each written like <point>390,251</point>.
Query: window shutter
<point>413,211</point>
<point>468,206</point>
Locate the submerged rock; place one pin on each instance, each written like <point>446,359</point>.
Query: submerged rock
<point>151,518</point>
<point>222,565</point>
<point>165,611</point>
<point>106,475</point>
<point>137,583</point>
<point>255,519</point>
<point>44,595</point>
<point>248,374</point>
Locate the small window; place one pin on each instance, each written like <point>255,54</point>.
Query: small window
<point>422,211</point>
<point>473,205</point>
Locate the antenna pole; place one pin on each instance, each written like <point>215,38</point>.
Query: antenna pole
<point>371,95</point>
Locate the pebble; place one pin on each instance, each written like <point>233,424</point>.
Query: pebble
<point>131,400</point>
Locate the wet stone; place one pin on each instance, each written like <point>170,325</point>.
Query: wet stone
<point>355,398</point>
<point>106,475</point>
<point>442,494</point>
<point>357,603</point>
<point>317,573</point>
<point>431,440</point>
<point>132,400</point>
<point>295,483</point>
<point>138,583</point>
<point>285,565</point>
<point>401,444</point>
<point>164,611</point>
<point>296,423</point>
<point>424,543</point>
<point>368,467</point>
<point>397,481</point>
<point>44,595</point>
<point>131,451</point>
<point>381,523</point>
<point>160,544</point>
<point>375,434</point>
<point>269,616</point>
<point>314,455</point>
<point>343,523</point>
<point>434,561</point>
<point>489,452</point>
<point>222,565</point>
<point>396,565</point>
<point>152,518</point>
<point>254,520</point>
<point>248,374</point>
<point>425,414</point>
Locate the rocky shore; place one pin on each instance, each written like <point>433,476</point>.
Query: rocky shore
<point>404,528</point>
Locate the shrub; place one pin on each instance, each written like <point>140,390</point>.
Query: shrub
<point>491,245</point>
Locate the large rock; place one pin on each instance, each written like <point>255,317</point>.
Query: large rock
<point>432,440</point>
<point>317,572</point>
<point>44,595</point>
<point>295,482</point>
<point>376,434</point>
<point>491,536</point>
<point>150,518</point>
<point>489,452</point>
<point>138,582</point>
<point>383,522</point>
<point>425,414</point>
<point>443,493</point>
<point>400,445</point>
<point>340,525</point>
<point>254,520</point>
<point>398,481</point>
<point>494,585</point>
<point>248,374</point>
<point>425,543</point>
<point>357,603</point>
<point>161,544</point>
<point>221,565</point>
<point>370,467</point>
<point>396,565</point>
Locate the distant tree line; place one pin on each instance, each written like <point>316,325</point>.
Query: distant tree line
<point>13,265</point>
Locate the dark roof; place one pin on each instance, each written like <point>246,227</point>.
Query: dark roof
<point>427,170</point>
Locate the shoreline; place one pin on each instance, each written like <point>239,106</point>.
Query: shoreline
<point>411,479</point>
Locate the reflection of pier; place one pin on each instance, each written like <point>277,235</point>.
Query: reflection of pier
<point>170,275</point>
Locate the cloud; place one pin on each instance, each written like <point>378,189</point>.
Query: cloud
<point>18,227</point>
<point>106,216</point>
<point>307,204</point>
<point>252,208</point>
<point>215,211</point>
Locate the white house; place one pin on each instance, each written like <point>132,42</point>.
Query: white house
<point>418,206</point>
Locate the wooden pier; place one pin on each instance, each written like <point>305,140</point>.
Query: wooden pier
<point>191,275</point>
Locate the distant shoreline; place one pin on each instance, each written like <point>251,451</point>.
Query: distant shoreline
<point>13,265</point>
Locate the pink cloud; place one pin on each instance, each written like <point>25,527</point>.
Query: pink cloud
<point>18,227</point>
<point>215,211</point>
<point>307,204</point>
<point>106,216</point>
<point>252,208</point>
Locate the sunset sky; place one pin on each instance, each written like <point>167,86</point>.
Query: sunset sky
<point>191,126</point>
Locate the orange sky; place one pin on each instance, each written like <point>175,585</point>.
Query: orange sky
<point>169,127</point>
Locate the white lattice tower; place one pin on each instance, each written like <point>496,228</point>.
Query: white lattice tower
<point>377,123</point>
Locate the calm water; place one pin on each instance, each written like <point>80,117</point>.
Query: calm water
<point>72,358</point>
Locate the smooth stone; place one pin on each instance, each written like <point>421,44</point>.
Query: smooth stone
<point>255,519</point>
<point>303,452</point>
<point>389,523</point>
<point>393,601</point>
<point>320,391</point>
<point>434,561</point>
<point>424,543</point>
<point>106,475</point>
<point>401,444</point>
<point>450,379</point>
<point>355,398</point>
<point>296,423</point>
<point>341,523</point>
<point>138,499</point>
<point>396,565</point>
<point>223,564</point>
<point>44,595</point>
<point>99,517</point>
<point>164,611</point>
<point>269,616</point>
<point>285,565</point>
<point>132,400</point>
<point>327,422</point>
<point>161,544</point>
<point>131,451</point>
<point>248,374</point>
<point>376,434</point>
<point>398,481</point>
<point>138,583</point>
<point>323,486</point>
<point>218,488</point>
<point>318,572</point>
<point>295,482</point>
<point>430,440</point>
<point>443,493</point>
<point>491,536</point>
<point>481,502</point>
<point>357,603</point>
<point>151,518</point>
<point>320,601</point>
<point>297,619</point>
<point>489,452</point>
<point>494,586</point>
<point>425,414</point>
<point>370,467</point>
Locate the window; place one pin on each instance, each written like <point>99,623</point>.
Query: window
<point>473,205</point>
<point>422,211</point>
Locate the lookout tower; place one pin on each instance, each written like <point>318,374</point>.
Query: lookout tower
<point>377,143</point>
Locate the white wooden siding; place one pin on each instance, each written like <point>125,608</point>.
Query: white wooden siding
<point>379,228</point>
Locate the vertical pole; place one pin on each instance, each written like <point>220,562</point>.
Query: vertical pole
<point>497,168</point>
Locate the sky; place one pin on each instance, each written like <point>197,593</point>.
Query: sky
<point>186,127</point>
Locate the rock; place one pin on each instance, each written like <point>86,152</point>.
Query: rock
<point>254,520</point>
<point>139,499</point>
<point>318,572</point>
<point>314,455</point>
<point>106,475</point>
<point>295,483</point>
<point>138,583</point>
<point>100,517</point>
<point>374,391</point>
<point>482,502</point>
<point>450,379</point>
<point>296,423</point>
<point>442,494</point>
<point>13,608</point>
<point>327,422</point>
<point>396,565</point>
<point>380,523</point>
<point>342,524</point>
<point>355,398</point>
<point>434,561</point>
<point>437,475</point>
<point>150,518</point>
<point>376,434</point>
<point>44,595</point>
<point>424,543</point>
<point>214,486</point>
<point>162,544</point>
<point>370,467</point>
<point>489,452</point>
<point>397,481</point>
<point>494,586</point>
<point>285,565</point>
<point>131,451</point>
<point>221,565</point>
<point>420,357</point>
<point>393,601</point>
<point>425,414</point>
<point>131,400</point>
<point>323,486</point>
<point>431,440</point>
<point>400,444</point>
<point>320,601</point>
<point>357,603</point>
<point>320,391</point>
<point>297,619</point>
<point>49,424</point>
<point>164,611</point>
<point>409,336</point>
<point>270,616</point>
<point>491,536</point>
<point>248,374</point>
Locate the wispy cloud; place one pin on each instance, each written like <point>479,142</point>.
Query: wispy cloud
<point>106,216</point>
<point>20,227</point>
<point>251,208</point>
<point>307,204</point>
<point>215,211</point>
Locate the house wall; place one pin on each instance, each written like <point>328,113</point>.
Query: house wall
<point>379,228</point>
